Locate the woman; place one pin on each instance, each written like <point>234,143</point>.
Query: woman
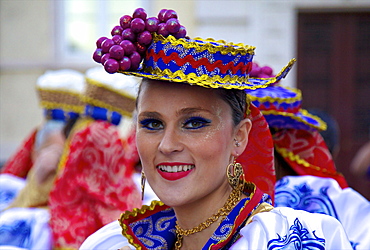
<point>94,178</point>
<point>193,122</point>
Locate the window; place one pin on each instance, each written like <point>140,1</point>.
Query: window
<point>79,23</point>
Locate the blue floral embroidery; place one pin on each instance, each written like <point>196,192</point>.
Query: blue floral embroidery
<point>302,197</point>
<point>297,238</point>
<point>6,197</point>
<point>17,234</point>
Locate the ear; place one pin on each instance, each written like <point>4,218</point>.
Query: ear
<point>241,137</point>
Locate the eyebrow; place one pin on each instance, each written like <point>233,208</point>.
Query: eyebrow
<point>192,110</point>
<point>179,113</point>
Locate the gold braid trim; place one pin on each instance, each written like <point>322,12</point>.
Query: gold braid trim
<point>223,47</point>
<point>322,125</point>
<point>134,213</point>
<point>60,99</point>
<point>270,99</point>
<point>100,95</point>
<point>64,248</point>
<point>295,158</point>
<point>263,207</point>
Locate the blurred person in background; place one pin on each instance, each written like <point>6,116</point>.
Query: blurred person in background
<point>94,181</point>
<point>29,174</point>
<point>306,173</point>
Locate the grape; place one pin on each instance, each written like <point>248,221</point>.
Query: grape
<point>117,30</point>
<point>106,45</point>
<point>100,41</point>
<point>263,75</point>
<point>151,24</point>
<point>125,63</point>
<point>144,38</point>
<point>128,34</point>
<point>170,14</point>
<point>125,21</point>
<point>134,66</point>
<point>104,58</point>
<point>161,15</point>
<point>97,55</point>
<point>137,25</point>
<point>162,30</point>
<point>255,70</point>
<point>181,33</point>
<point>266,70</point>
<point>111,66</point>
<point>172,25</point>
<point>116,52</point>
<point>139,13</point>
<point>140,48</point>
<point>135,58</point>
<point>128,47</point>
<point>117,39</point>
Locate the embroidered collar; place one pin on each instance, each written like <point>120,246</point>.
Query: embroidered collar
<point>153,227</point>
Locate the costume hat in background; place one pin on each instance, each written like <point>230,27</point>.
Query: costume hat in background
<point>281,105</point>
<point>296,137</point>
<point>109,96</point>
<point>60,93</point>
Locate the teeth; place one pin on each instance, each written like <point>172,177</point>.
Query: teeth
<point>174,169</point>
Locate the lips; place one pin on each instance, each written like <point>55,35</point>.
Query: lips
<point>174,171</point>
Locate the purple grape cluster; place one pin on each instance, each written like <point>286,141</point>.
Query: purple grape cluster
<point>130,40</point>
<point>261,72</point>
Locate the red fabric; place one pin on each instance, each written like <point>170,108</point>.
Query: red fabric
<point>309,154</point>
<point>258,157</point>
<point>93,187</point>
<point>21,161</point>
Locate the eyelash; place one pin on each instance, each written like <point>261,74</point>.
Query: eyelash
<point>203,122</point>
<point>149,122</point>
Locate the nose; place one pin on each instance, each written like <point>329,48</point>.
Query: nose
<point>170,142</point>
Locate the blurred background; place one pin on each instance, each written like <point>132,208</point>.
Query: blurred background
<point>330,39</point>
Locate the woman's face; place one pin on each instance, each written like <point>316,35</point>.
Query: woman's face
<point>185,138</point>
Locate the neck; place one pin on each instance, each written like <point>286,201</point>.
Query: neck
<point>192,215</point>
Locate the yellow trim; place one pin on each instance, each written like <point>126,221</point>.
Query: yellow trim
<point>204,80</point>
<point>322,125</point>
<point>224,47</point>
<point>99,103</point>
<point>102,85</point>
<point>134,213</point>
<point>295,158</point>
<point>271,99</point>
<point>66,107</point>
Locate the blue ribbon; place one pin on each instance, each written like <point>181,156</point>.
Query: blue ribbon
<point>98,113</point>
<point>59,114</point>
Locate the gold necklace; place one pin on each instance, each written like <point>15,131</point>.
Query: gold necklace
<point>234,197</point>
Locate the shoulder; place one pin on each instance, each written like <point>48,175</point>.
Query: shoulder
<point>285,227</point>
<point>108,237</point>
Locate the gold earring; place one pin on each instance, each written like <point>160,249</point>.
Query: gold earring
<point>235,176</point>
<point>143,178</point>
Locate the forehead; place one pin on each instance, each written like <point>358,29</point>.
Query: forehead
<point>170,94</point>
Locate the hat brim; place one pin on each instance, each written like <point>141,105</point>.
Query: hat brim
<point>300,120</point>
<point>211,82</point>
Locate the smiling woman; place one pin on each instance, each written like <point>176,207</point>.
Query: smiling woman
<point>194,129</point>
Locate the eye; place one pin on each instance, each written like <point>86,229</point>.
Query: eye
<point>151,124</point>
<point>196,123</point>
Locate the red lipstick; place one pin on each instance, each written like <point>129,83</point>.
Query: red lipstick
<point>173,176</point>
